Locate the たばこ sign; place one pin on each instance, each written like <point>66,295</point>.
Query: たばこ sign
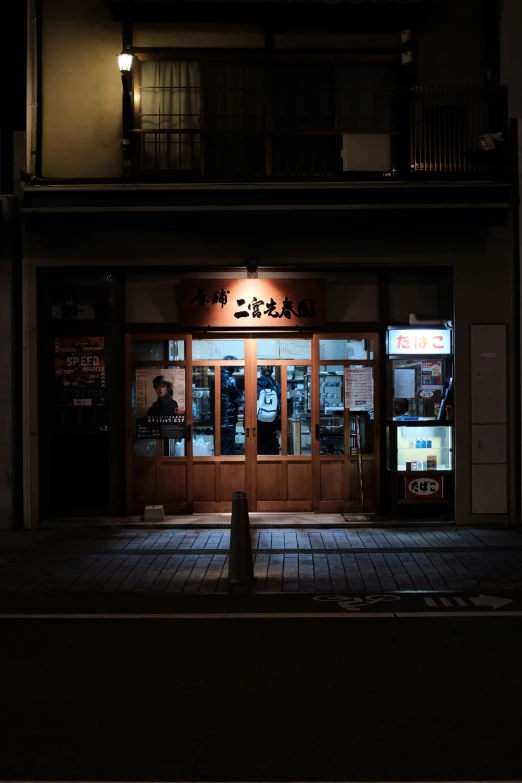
<point>419,341</point>
<point>423,487</point>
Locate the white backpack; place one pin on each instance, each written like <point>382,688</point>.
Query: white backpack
<point>267,404</point>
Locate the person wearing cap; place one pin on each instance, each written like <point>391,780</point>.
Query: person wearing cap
<point>165,404</point>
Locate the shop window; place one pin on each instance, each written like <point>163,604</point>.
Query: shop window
<point>158,350</point>
<point>331,410</point>
<point>78,307</point>
<point>218,349</point>
<point>346,387</point>
<point>299,409</point>
<point>422,388</point>
<point>203,411</point>
<point>424,448</point>
<point>284,349</point>
<point>346,349</point>
<point>230,381</point>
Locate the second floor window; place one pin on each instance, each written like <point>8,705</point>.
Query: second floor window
<point>170,106</point>
<point>226,118</point>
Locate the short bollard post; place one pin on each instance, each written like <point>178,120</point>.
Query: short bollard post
<point>240,566</point>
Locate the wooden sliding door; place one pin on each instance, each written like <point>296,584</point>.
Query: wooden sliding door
<point>272,416</point>
<point>346,414</point>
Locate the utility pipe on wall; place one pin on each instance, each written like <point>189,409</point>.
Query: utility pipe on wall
<point>32,88</point>
<point>414,321</point>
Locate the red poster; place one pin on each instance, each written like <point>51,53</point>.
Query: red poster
<point>424,487</point>
<point>79,371</point>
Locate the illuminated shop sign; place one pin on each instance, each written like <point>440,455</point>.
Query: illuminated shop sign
<point>252,302</point>
<point>419,341</point>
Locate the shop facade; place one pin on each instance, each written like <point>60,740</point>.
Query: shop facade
<point>325,190</point>
<point>370,349</point>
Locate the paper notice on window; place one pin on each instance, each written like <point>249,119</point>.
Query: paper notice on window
<point>404,383</point>
<point>358,384</point>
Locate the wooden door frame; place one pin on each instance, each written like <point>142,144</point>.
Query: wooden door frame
<point>159,459</point>
<point>217,459</point>
<point>251,458</point>
<point>325,506</point>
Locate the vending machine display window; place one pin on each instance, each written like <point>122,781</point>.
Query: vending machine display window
<point>420,415</point>
<point>421,383</point>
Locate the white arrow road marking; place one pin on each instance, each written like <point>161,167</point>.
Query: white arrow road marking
<point>494,601</point>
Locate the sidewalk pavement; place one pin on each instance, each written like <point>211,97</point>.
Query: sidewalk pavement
<point>351,560</point>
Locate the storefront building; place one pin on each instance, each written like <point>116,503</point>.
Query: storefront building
<point>325,343</point>
<point>372,410</point>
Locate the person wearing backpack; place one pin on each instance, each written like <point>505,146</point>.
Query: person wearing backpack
<point>268,412</point>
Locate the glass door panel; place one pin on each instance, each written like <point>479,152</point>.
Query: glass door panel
<point>331,410</point>
<point>232,411</point>
<point>203,414</point>
<point>269,410</point>
<point>299,410</point>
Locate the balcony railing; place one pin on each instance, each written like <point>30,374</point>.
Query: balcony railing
<point>446,123</point>
<point>438,136</point>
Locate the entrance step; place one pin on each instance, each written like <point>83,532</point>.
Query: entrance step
<point>257,520</point>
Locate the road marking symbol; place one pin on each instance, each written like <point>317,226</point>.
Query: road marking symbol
<point>483,601</point>
<point>356,603</point>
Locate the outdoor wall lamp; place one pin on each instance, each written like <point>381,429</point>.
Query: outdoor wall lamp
<point>125,62</point>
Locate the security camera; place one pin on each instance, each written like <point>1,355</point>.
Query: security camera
<point>487,141</point>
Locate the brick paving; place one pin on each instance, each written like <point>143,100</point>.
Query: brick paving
<point>294,560</point>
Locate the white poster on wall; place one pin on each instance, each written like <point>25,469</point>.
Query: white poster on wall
<point>404,383</point>
<point>358,382</point>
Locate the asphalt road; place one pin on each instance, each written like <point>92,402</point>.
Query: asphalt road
<point>261,699</point>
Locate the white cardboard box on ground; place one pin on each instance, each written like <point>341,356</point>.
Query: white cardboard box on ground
<point>154,514</point>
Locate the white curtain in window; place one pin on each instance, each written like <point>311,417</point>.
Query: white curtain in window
<point>170,101</point>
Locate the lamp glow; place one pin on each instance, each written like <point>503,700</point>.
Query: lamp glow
<point>125,62</point>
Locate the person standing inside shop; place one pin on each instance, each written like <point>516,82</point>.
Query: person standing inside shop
<point>230,401</point>
<point>268,412</point>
